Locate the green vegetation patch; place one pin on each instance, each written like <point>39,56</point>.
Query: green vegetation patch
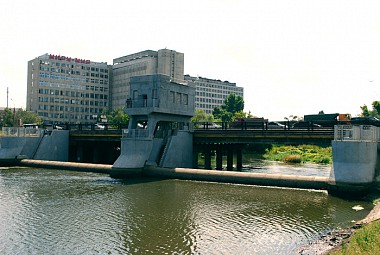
<point>299,154</point>
<point>364,241</point>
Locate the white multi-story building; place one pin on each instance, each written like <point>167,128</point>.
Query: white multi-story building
<point>67,90</point>
<point>211,93</point>
<point>71,90</point>
<point>165,61</point>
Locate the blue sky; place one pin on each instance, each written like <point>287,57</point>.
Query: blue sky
<point>293,57</point>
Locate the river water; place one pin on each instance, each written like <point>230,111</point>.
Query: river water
<point>63,212</point>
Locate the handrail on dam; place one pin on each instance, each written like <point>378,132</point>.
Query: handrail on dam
<point>135,133</point>
<point>21,132</point>
<point>357,133</point>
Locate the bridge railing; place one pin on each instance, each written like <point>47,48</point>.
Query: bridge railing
<point>261,125</point>
<point>135,133</point>
<point>356,133</point>
<point>21,132</point>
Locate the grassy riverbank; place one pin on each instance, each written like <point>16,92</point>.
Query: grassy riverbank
<point>366,240</point>
<point>299,154</point>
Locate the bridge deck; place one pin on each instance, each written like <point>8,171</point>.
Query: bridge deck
<point>264,136</point>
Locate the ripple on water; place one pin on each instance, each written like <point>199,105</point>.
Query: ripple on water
<point>60,212</point>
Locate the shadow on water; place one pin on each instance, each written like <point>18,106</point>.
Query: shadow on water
<point>138,180</point>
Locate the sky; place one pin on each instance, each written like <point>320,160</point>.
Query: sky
<point>292,57</point>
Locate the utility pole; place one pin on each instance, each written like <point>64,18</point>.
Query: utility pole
<point>7,96</point>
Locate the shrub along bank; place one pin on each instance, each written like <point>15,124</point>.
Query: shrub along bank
<point>299,154</point>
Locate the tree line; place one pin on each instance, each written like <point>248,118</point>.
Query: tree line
<point>232,108</point>
<point>18,117</point>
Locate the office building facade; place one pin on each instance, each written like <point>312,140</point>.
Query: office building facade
<point>63,89</point>
<point>149,62</point>
<point>211,93</point>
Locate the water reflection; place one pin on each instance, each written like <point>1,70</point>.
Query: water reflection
<point>274,167</point>
<point>61,212</point>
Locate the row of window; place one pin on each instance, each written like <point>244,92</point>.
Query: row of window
<point>68,116</point>
<point>82,67</point>
<point>68,86</point>
<point>60,85</point>
<point>57,100</point>
<point>86,95</point>
<point>73,79</point>
<point>178,98</point>
<point>61,109</point>
<point>209,100</point>
<point>204,106</point>
<point>221,91</point>
<point>206,94</point>
<point>138,67</point>
<point>218,86</point>
<point>68,71</point>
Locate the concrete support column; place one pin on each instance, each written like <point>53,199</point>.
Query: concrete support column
<point>95,157</point>
<point>239,159</point>
<point>79,152</point>
<point>230,159</point>
<point>195,158</point>
<point>219,158</point>
<point>207,158</point>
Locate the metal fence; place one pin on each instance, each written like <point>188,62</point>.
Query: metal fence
<point>135,133</point>
<point>356,133</point>
<point>21,132</point>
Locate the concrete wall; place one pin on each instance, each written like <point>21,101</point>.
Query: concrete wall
<point>354,162</point>
<point>11,147</point>
<point>180,151</point>
<point>377,170</point>
<point>134,153</point>
<point>54,147</point>
<point>48,147</point>
<point>155,152</point>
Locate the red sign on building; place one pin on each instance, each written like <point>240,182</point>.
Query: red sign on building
<point>76,60</point>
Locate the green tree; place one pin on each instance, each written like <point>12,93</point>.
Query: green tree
<point>118,118</point>
<point>241,114</point>
<point>201,116</point>
<point>365,111</point>
<point>375,112</point>
<point>6,118</point>
<point>376,107</point>
<point>232,104</point>
<point>222,114</point>
<point>28,117</point>
<point>11,117</point>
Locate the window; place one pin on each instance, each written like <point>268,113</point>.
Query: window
<point>185,99</point>
<point>154,93</point>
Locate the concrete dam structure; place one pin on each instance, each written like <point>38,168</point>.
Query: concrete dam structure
<point>33,143</point>
<point>159,142</point>
<point>354,170</point>
<point>159,127</point>
<point>356,158</point>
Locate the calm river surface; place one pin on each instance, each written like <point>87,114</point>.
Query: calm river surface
<point>61,212</point>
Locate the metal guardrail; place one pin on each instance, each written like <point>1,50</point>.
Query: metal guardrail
<point>357,133</point>
<point>21,132</point>
<point>135,133</point>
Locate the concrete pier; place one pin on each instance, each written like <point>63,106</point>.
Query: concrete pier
<point>355,159</point>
